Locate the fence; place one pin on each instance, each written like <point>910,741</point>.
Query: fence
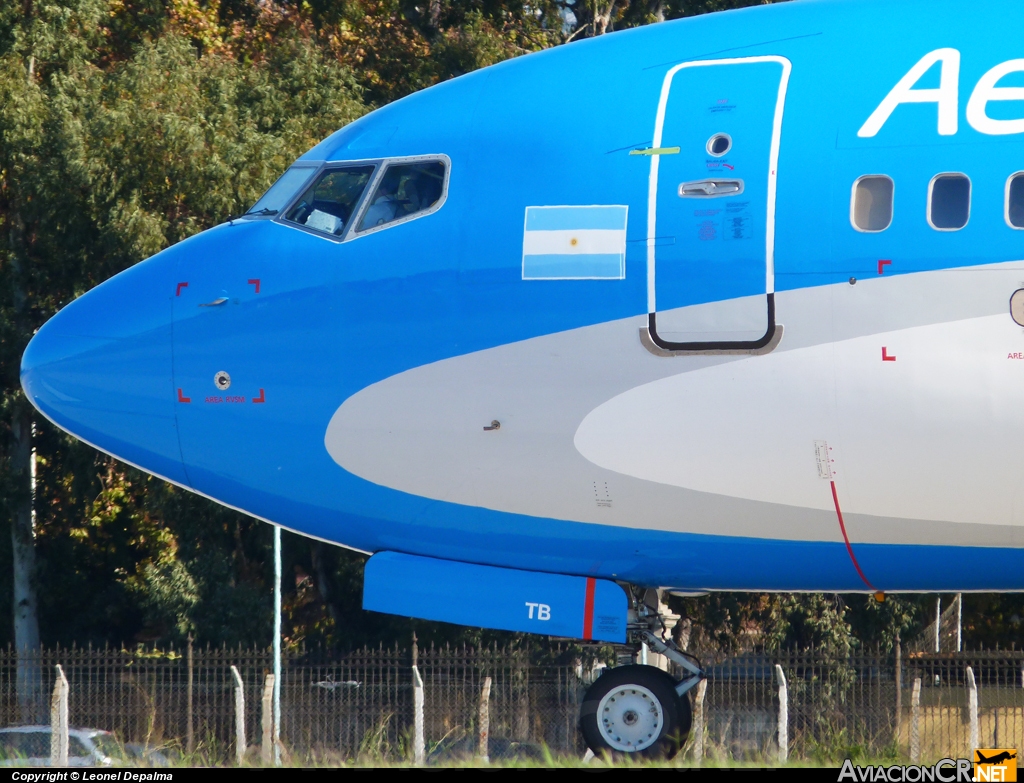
<point>333,706</point>
<point>361,704</point>
<point>865,705</point>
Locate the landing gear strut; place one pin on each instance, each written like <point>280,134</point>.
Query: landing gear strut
<point>640,710</point>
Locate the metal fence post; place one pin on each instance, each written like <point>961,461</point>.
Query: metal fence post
<point>277,646</point>
<point>698,721</point>
<point>972,707</point>
<point>915,722</point>
<point>485,719</point>
<point>190,737</point>
<point>960,624</point>
<point>267,750</point>
<point>783,715</point>
<point>239,716</point>
<point>418,746</point>
<point>899,690</point>
<point>59,721</point>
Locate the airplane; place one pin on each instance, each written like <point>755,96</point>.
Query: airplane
<point>998,758</point>
<point>733,302</point>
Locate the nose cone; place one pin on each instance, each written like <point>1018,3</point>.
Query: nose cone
<point>102,368</point>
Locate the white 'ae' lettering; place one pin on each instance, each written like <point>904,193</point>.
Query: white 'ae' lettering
<point>986,91</point>
<point>945,95</point>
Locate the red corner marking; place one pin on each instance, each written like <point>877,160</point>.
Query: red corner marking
<point>886,357</point>
<point>183,398</point>
<point>255,282</point>
<point>177,291</point>
<point>882,265</point>
<point>588,609</point>
<point>261,398</point>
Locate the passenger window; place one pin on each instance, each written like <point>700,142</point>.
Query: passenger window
<point>871,205</point>
<point>331,200</point>
<point>1015,200</point>
<point>405,190</point>
<point>949,202</point>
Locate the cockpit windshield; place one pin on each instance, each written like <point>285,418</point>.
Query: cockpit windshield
<point>280,192</point>
<point>330,201</point>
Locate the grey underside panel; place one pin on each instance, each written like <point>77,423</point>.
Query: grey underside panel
<point>541,389</point>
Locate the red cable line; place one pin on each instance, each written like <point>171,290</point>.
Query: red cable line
<point>846,538</point>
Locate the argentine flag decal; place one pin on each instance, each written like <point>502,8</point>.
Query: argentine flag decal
<point>575,243</point>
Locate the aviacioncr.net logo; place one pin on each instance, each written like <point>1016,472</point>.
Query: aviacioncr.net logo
<point>945,771</point>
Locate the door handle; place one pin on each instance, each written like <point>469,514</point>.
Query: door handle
<point>218,301</point>
<point>709,188</point>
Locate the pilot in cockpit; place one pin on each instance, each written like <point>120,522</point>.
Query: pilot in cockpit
<point>385,205</point>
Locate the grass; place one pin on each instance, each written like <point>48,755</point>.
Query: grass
<point>376,760</point>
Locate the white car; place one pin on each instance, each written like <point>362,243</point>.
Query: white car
<point>29,746</point>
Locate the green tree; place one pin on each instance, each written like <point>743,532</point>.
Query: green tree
<point>109,151</point>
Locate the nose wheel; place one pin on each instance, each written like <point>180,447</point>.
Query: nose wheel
<point>635,711</point>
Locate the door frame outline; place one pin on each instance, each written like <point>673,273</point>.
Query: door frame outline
<point>652,205</point>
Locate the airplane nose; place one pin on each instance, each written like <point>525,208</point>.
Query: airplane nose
<point>101,368</point>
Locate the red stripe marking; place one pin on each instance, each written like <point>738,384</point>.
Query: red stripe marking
<point>177,291</point>
<point>846,538</point>
<point>261,398</point>
<point>882,264</point>
<point>183,398</point>
<point>588,609</point>
<point>255,282</point>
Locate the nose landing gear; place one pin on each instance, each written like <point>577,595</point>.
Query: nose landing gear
<point>639,710</point>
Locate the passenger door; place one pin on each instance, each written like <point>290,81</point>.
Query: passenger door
<point>711,209</point>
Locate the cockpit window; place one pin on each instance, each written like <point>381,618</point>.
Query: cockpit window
<point>331,200</point>
<point>405,189</point>
<point>280,192</point>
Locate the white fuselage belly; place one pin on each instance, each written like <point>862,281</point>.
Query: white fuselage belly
<point>594,428</point>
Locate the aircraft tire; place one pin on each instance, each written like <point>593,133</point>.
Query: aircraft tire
<point>634,711</point>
